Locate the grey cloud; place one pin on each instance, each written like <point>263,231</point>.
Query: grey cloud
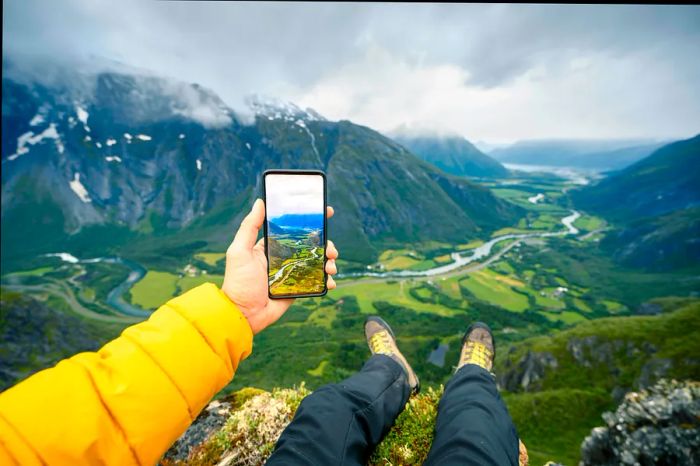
<point>278,48</point>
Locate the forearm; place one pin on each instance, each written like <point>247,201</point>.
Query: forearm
<point>127,402</point>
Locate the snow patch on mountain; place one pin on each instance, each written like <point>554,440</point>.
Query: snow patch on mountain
<point>36,120</point>
<point>30,139</point>
<point>83,116</point>
<point>301,124</point>
<point>79,189</point>
<point>276,109</point>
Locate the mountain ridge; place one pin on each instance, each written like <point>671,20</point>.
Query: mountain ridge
<point>589,154</point>
<point>655,204</point>
<point>454,155</point>
<point>169,174</point>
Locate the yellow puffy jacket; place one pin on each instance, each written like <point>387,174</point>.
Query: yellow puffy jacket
<point>128,402</point>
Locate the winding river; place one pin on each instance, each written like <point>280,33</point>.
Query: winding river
<point>115,297</point>
<point>460,260</point>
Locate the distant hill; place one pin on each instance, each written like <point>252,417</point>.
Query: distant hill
<point>454,155</point>
<point>273,228</point>
<point>154,169</point>
<point>666,181</point>
<point>278,252</point>
<point>656,204</point>
<point>601,155</point>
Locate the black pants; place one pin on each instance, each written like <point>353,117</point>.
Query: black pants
<point>341,424</point>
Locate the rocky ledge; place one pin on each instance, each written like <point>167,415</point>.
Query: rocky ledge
<point>656,426</point>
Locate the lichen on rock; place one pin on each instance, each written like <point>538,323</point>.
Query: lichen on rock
<point>659,425</point>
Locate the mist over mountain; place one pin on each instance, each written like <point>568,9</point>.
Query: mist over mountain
<point>587,154</point>
<point>454,155</point>
<point>137,155</point>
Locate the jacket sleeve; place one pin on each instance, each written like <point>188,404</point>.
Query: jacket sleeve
<point>128,402</point>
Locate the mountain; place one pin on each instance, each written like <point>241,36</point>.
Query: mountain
<point>664,242</point>
<point>666,181</point>
<point>278,252</point>
<point>153,168</point>
<point>656,205</point>
<point>314,221</point>
<point>274,228</point>
<point>599,155</point>
<point>454,155</point>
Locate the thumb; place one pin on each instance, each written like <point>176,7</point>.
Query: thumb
<point>247,233</point>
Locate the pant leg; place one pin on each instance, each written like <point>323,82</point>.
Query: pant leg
<point>473,426</point>
<point>341,424</point>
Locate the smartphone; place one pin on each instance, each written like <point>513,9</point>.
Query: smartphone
<point>295,232</point>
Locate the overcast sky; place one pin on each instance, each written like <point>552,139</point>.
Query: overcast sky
<point>293,194</point>
<point>489,72</point>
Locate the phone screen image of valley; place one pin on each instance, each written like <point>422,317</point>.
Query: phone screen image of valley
<point>295,241</point>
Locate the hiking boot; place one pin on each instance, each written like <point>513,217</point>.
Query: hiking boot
<point>478,347</point>
<point>381,340</point>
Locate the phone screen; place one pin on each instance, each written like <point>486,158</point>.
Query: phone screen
<point>295,206</point>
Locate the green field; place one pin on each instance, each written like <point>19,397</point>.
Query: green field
<point>396,293</point>
<point>210,258</point>
<point>154,289</point>
<point>489,286</point>
<point>157,287</point>
<point>589,223</point>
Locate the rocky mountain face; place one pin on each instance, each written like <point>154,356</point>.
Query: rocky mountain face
<point>454,155</point>
<point>618,354</point>
<point>143,155</point>
<point>658,426</point>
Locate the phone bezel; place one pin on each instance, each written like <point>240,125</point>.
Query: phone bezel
<point>325,231</point>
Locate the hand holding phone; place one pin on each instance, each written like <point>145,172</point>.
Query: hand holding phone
<point>246,277</point>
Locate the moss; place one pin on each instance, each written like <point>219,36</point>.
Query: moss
<point>238,398</point>
<point>410,438</point>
